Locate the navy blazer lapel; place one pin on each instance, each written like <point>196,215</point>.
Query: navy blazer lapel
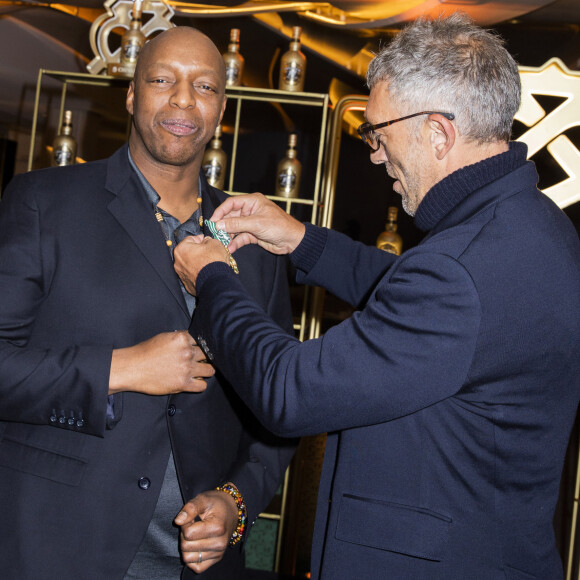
<point>210,198</point>
<point>134,213</point>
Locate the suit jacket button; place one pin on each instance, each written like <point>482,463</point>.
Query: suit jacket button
<point>71,421</point>
<point>144,483</point>
<point>80,423</point>
<point>62,419</point>
<point>171,410</point>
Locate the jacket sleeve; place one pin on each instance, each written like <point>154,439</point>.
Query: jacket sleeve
<point>263,457</point>
<point>348,269</point>
<point>65,388</point>
<point>410,347</point>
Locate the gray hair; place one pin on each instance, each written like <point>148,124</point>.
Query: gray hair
<point>451,65</point>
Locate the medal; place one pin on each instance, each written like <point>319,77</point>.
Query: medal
<point>225,239</point>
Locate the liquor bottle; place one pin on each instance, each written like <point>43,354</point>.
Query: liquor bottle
<point>132,42</point>
<point>64,147</point>
<point>214,161</point>
<point>233,60</point>
<point>289,171</point>
<point>293,65</point>
<point>390,240</point>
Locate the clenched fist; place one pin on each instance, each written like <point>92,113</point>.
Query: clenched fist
<point>166,364</point>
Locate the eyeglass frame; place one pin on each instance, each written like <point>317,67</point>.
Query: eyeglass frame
<point>366,128</point>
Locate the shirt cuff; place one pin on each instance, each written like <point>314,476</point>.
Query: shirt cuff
<point>309,250</point>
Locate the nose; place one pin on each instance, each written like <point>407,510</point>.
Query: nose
<point>380,156</point>
<point>183,95</point>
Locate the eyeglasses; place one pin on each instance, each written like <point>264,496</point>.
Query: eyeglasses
<point>368,135</point>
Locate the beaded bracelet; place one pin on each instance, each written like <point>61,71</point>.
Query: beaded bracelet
<point>232,490</point>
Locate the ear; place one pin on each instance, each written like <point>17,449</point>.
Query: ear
<point>130,97</point>
<point>443,135</point>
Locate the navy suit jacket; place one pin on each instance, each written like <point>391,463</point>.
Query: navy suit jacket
<point>84,269</point>
<point>448,397</point>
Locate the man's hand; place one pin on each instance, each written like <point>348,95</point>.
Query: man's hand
<point>207,523</point>
<point>194,253</point>
<point>257,220</point>
<point>163,365</point>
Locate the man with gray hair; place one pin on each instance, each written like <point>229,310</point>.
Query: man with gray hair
<point>449,396</point>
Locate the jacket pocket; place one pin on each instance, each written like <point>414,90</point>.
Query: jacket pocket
<point>393,527</point>
<point>35,460</point>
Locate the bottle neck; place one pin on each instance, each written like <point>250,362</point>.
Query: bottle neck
<point>295,46</point>
<point>233,47</point>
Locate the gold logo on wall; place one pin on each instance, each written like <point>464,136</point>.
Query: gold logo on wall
<point>118,15</point>
<point>553,79</point>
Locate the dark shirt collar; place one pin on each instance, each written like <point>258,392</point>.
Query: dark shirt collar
<point>447,193</point>
<point>175,230</point>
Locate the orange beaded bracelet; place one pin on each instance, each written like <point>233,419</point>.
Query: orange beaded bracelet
<point>232,490</point>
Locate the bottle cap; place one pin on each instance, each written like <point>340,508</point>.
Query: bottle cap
<point>137,9</point>
<point>296,31</point>
<point>235,35</point>
<point>292,140</point>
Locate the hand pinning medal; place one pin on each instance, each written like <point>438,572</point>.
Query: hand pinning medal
<point>225,239</point>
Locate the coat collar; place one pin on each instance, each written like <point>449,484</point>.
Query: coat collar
<point>451,191</point>
<point>133,211</point>
<point>514,182</point>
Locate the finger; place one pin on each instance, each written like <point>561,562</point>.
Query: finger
<point>203,536</point>
<point>197,239</point>
<point>198,354</point>
<point>195,385</point>
<point>188,513</point>
<point>205,564</point>
<point>212,242</point>
<point>237,225</point>
<point>242,240</point>
<point>238,205</point>
<point>202,370</point>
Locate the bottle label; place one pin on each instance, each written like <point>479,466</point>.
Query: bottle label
<point>213,171</point>
<point>232,73</point>
<point>287,181</point>
<point>131,51</point>
<point>63,155</point>
<point>292,73</point>
<point>388,247</point>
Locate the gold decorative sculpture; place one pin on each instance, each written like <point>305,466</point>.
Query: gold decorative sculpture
<point>118,15</point>
<point>545,130</point>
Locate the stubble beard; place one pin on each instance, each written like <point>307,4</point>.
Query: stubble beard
<point>405,202</point>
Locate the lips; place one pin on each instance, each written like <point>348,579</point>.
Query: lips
<point>179,127</point>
